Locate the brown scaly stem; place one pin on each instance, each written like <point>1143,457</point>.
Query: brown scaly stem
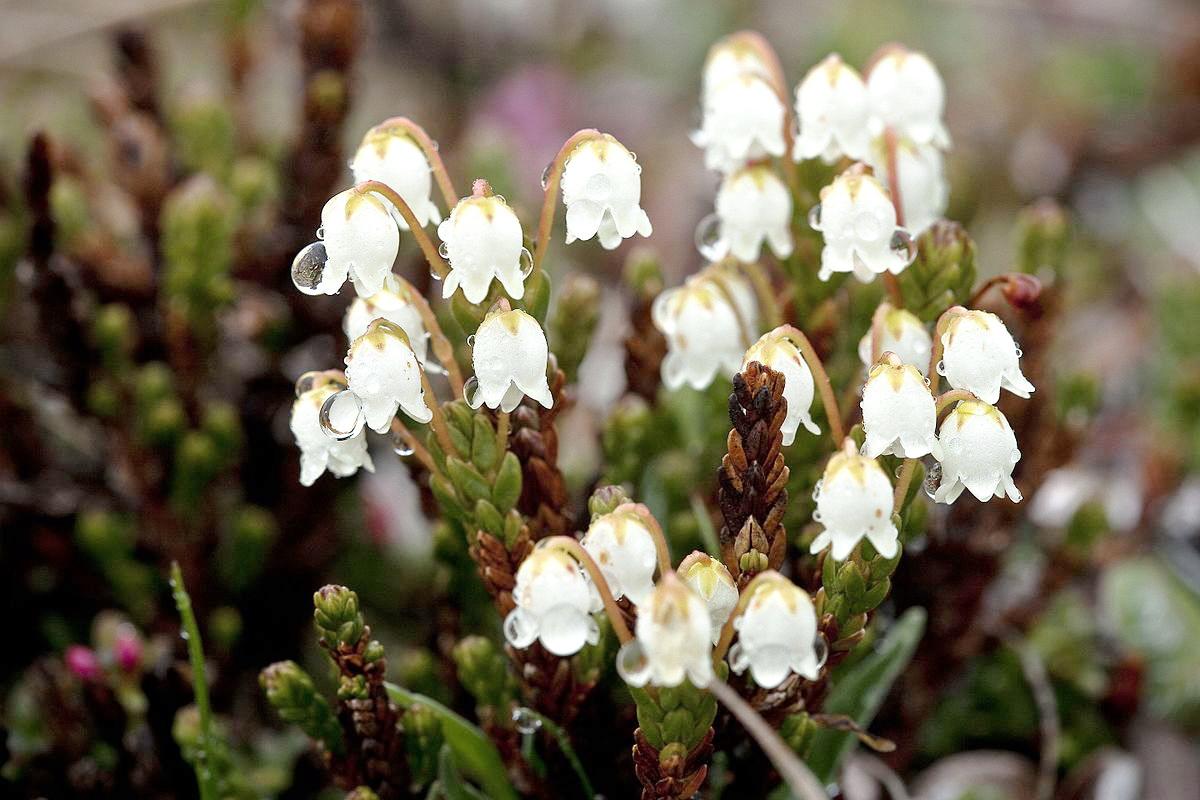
<point>752,480</point>
<point>645,348</point>
<point>436,262</point>
<point>544,497</point>
<point>550,199</point>
<point>679,775</point>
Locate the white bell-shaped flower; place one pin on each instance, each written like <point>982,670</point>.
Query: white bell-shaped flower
<point>776,634</point>
<point>360,242</point>
<point>753,206</point>
<point>383,370</point>
<point>388,154</point>
<point>854,501</point>
<point>858,222</point>
<point>602,191</point>
<point>510,357</point>
<point>832,106</point>
<point>980,355</point>
<point>900,332</point>
<point>673,639</point>
<point>705,323</point>
<point>924,192</point>
<point>623,546</point>
<point>482,240</point>
<point>776,350</point>
<point>390,303</point>
<point>899,412</point>
<point>320,451</point>
<point>743,121</point>
<point>729,58</point>
<point>908,96</point>
<point>555,601</point>
<point>711,581</point>
<point>979,451</point>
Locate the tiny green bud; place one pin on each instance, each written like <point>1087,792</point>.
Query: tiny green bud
<point>225,627</point>
<point>643,272</point>
<point>220,421</point>
<point>337,615</point>
<point>292,694</point>
<point>483,671</point>
<point>114,333</point>
<point>574,321</point>
<point>606,499</point>
<point>254,183</point>
<point>1043,233</point>
<point>423,742</point>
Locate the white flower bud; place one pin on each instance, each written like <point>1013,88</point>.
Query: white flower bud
<point>777,351</point>
<point>831,104</point>
<point>510,357</point>
<point>383,370</point>
<point>482,240</point>
<point>907,95</point>
<point>979,355</point>
<point>711,581</point>
<point>979,451</point>
<point>854,501</point>
<point>624,548</point>
<point>730,58</point>
<point>555,601</point>
<point>391,303</point>
<point>360,241</point>
<point>899,413</point>
<point>705,331</point>
<point>318,450</point>
<point>858,222</point>
<point>602,190</point>
<point>924,192</point>
<point>776,634</point>
<point>389,155</point>
<point>673,638</point>
<point>743,121</point>
<point>753,206</point>
<point>902,333</point>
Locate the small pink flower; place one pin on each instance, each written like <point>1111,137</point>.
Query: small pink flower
<point>127,649</point>
<point>82,662</point>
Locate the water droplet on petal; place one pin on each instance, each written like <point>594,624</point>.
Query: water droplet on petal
<point>708,237</point>
<point>904,246</point>
<point>941,368</point>
<point>526,721</point>
<point>933,479</point>
<point>341,415</point>
<point>633,665</point>
<point>308,267</point>
<point>1019,352</point>
<point>434,276</point>
<point>598,188</point>
<point>928,382</point>
<point>444,249</point>
<point>305,382</point>
<point>814,217</point>
<point>816,494</point>
<point>818,516</point>
<point>526,263</point>
<point>471,392</point>
<point>821,649</point>
<point>471,341</point>
<point>1014,456</point>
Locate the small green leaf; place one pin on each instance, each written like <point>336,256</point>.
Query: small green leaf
<point>483,444</point>
<point>508,483</point>
<point>489,519</point>
<point>468,481</point>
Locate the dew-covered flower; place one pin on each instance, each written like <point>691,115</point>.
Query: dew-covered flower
<point>705,323</point>
<point>831,104</point>
<point>623,546</point>
<point>776,350</point>
<point>360,242</point>
<point>510,357</point>
<point>907,95</point>
<point>979,451</point>
<point>389,154</point>
<point>743,121</point>
<point>319,450</point>
<point>673,639</point>
<point>731,57</point>
<point>858,222</point>
<point>482,240</point>
<point>753,206</point>
<point>776,634</point>
<point>602,191</point>
<point>980,355</point>
<point>924,192</point>
<point>854,501</point>
<point>390,303</point>
<point>383,370</point>
<point>899,413</point>
<point>555,601</point>
<point>900,332</point>
<point>711,581</point>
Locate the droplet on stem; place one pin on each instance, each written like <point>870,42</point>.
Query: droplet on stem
<point>526,721</point>
<point>526,263</point>
<point>708,237</point>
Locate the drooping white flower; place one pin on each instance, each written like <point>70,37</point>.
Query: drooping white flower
<point>753,206</point>
<point>899,413</point>
<point>743,121</point>
<point>510,358</point>
<point>832,106</point>
<point>858,222</point>
<point>602,191</point>
<point>705,322</point>
<point>673,639</point>
<point>908,96</point>
<point>383,370</point>
<point>900,332</point>
<point>391,303</point>
<point>319,451</point>
<point>624,548</point>
<point>776,350</point>
<point>924,192</point>
<point>854,501</point>
<point>389,154</point>
<point>711,581</point>
<point>729,58</point>
<point>555,601</point>
<point>482,240</point>
<point>360,242</point>
<point>979,451</point>
<point>980,355</point>
<point>776,634</point>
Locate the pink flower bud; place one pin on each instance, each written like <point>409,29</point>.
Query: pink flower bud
<point>127,649</point>
<point>82,662</point>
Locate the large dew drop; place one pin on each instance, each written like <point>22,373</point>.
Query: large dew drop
<point>308,268</point>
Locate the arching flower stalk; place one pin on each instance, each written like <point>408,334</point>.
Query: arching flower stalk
<point>399,153</point>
